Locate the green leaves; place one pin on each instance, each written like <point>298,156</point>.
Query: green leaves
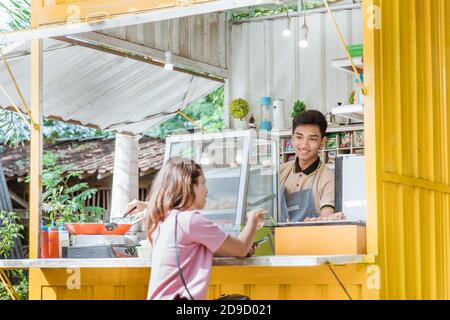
<point>275,10</point>
<point>239,108</point>
<point>299,107</point>
<point>65,200</point>
<point>208,111</point>
<point>19,12</point>
<point>9,232</point>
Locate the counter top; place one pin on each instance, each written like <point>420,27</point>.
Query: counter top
<point>262,261</point>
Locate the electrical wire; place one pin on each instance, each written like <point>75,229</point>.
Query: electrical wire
<point>339,281</point>
<point>341,37</point>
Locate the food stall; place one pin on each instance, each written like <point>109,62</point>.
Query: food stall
<point>398,261</point>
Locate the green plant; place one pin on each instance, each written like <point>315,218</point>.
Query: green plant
<point>62,200</point>
<point>239,108</point>
<point>299,107</point>
<point>351,98</point>
<point>10,231</point>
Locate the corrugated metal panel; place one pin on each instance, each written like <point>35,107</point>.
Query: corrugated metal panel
<point>263,62</point>
<point>406,72</point>
<point>201,38</point>
<point>105,90</point>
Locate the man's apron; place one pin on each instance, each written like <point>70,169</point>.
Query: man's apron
<point>297,206</point>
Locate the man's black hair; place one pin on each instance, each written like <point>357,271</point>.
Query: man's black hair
<point>311,117</point>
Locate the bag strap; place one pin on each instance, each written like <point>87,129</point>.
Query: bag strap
<point>177,253</point>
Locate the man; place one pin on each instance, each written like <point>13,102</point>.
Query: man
<point>307,184</point>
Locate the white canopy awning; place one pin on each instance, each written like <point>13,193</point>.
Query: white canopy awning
<point>100,89</point>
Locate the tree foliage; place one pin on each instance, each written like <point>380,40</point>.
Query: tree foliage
<point>10,232</point>
<point>208,111</point>
<point>63,200</point>
<point>264,11</point>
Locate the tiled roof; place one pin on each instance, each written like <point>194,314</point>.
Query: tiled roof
<point>90,156</point>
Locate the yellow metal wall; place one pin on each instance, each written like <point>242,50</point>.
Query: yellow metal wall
<point>257,282</point>
<point>408,135</point>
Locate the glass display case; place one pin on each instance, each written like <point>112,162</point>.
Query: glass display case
<point>241,172</point>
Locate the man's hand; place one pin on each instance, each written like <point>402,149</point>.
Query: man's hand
<point>332,217</point>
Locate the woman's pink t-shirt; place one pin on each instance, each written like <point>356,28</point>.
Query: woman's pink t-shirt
<point>198,239</point>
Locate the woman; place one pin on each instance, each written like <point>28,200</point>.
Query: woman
<point>177,195</point>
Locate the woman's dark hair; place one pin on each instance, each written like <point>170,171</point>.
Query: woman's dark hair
<point>311,117</point>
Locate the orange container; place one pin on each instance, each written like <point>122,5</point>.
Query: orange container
<point>53,243</point>
<point>96,229</point>
<point>44,242</point>
<point>342,239</point>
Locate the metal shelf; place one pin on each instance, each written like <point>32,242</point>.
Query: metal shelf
<point>354,112</point>
<point>345,65</point>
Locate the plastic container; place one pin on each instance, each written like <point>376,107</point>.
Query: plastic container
<point>356,50</point>
<point>53,242</point>
<point>359,96</point>
<point>144,250</point>
<point>63,238</point>
<point>266,114</point>
<point>44,242</point>
<point>96,229</point>
<point>278,115</point>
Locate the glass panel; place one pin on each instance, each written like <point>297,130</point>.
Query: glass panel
<point>221,160</point>
<point>262,179</point>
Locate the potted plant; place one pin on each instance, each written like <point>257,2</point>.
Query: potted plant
<point>239,110</point>
<point>299,107</point>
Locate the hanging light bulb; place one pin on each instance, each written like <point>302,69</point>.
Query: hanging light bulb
<point>304,30</point>
<point>287,29</point>
<point>168,65</point>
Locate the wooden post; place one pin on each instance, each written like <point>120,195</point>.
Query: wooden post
<point>36,142</point>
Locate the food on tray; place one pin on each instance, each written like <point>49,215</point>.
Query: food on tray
<point>220,205</point>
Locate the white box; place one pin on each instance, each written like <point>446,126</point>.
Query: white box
<point>96,240</point>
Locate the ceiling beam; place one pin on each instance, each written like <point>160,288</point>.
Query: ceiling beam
<point>102,40</point>
<point>131,55</point>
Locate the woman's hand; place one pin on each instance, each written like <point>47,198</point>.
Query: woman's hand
<point>258,216</point>
<point>137,209</point>
<point>252,250</point>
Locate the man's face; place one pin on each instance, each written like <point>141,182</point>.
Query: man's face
<point>307,142</point>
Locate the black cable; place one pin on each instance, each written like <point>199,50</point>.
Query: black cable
<point>339,281</point>
<point>177,253</point>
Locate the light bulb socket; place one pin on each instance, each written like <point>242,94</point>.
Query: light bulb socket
<point>304,30</point>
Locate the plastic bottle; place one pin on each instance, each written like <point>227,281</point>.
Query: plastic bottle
<point>266,114</point>
<point>63,238</point>
<point>44,242</point>
<point>359,96</point>
<point>53,241</point>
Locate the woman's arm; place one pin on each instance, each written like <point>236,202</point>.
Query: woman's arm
<point>240,246</point>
